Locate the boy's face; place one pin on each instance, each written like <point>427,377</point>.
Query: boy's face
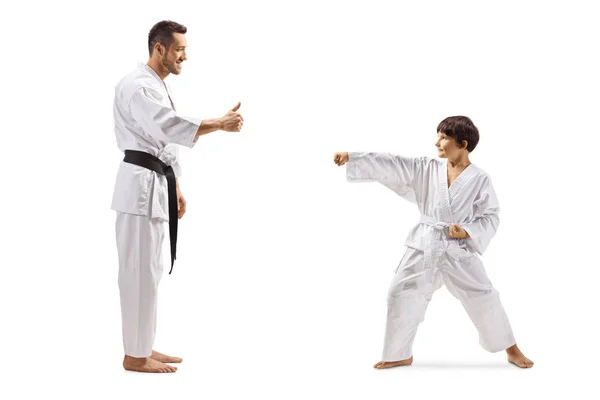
<point>447,146</point>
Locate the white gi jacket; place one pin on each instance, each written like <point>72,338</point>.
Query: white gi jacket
<point>146,120</point>
<point>470,201</point>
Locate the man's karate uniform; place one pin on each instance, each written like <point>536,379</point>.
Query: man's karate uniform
<point>145,121</point>
<point>432,257</point>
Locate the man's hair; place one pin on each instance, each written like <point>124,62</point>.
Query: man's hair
<point>460,128</point>
<point>162,32</point>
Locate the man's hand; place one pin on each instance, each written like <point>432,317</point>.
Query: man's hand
<point>232,121</point>
<point>457,232</point>
<point>340,158</point>
<point>180,202</point>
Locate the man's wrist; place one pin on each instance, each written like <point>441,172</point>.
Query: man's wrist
<point>219,124</point>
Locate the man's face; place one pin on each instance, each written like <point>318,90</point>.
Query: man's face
<point>175,54</point>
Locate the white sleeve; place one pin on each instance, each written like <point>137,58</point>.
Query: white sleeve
<point>398,173</point>
<point>486,219</point>
<point>160,121</point>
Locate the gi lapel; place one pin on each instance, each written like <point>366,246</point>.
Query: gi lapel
<point>445,209</point>
<point>460,181</point>
<point>169,95</point>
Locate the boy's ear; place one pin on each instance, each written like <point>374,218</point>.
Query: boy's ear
<point>464,144</point>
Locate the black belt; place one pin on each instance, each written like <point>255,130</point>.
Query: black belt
<point>155,164</point>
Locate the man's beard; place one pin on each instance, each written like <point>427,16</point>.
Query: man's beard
<point>169,67</point>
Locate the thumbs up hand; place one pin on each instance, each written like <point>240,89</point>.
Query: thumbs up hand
<point>233,121</point>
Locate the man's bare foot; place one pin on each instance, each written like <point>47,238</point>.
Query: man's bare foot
<point>392,364</point>
<point>516,357</point>
<point>146,365</point>
<point>163,358</point>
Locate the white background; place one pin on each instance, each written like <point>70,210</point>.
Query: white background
<point>283,267</point>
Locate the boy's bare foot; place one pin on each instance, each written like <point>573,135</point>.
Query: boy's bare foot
<point>516,357</point>
<point>146,365</point>
<point>163,358</point>
<point>392,364</point>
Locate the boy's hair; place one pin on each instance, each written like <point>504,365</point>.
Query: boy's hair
<point>162,32</point>
<point>460,128</point>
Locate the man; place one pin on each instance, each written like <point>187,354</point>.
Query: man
<point>459,217</point>
<point>147,193</point>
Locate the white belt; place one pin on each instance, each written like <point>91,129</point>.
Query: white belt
<point>436,245</point>
<point>433,223</point>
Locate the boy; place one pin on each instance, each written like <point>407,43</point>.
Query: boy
<point>459,217</point>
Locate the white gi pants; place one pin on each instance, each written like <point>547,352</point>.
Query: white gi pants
<point>413,286</point>
<point>139,245</point>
